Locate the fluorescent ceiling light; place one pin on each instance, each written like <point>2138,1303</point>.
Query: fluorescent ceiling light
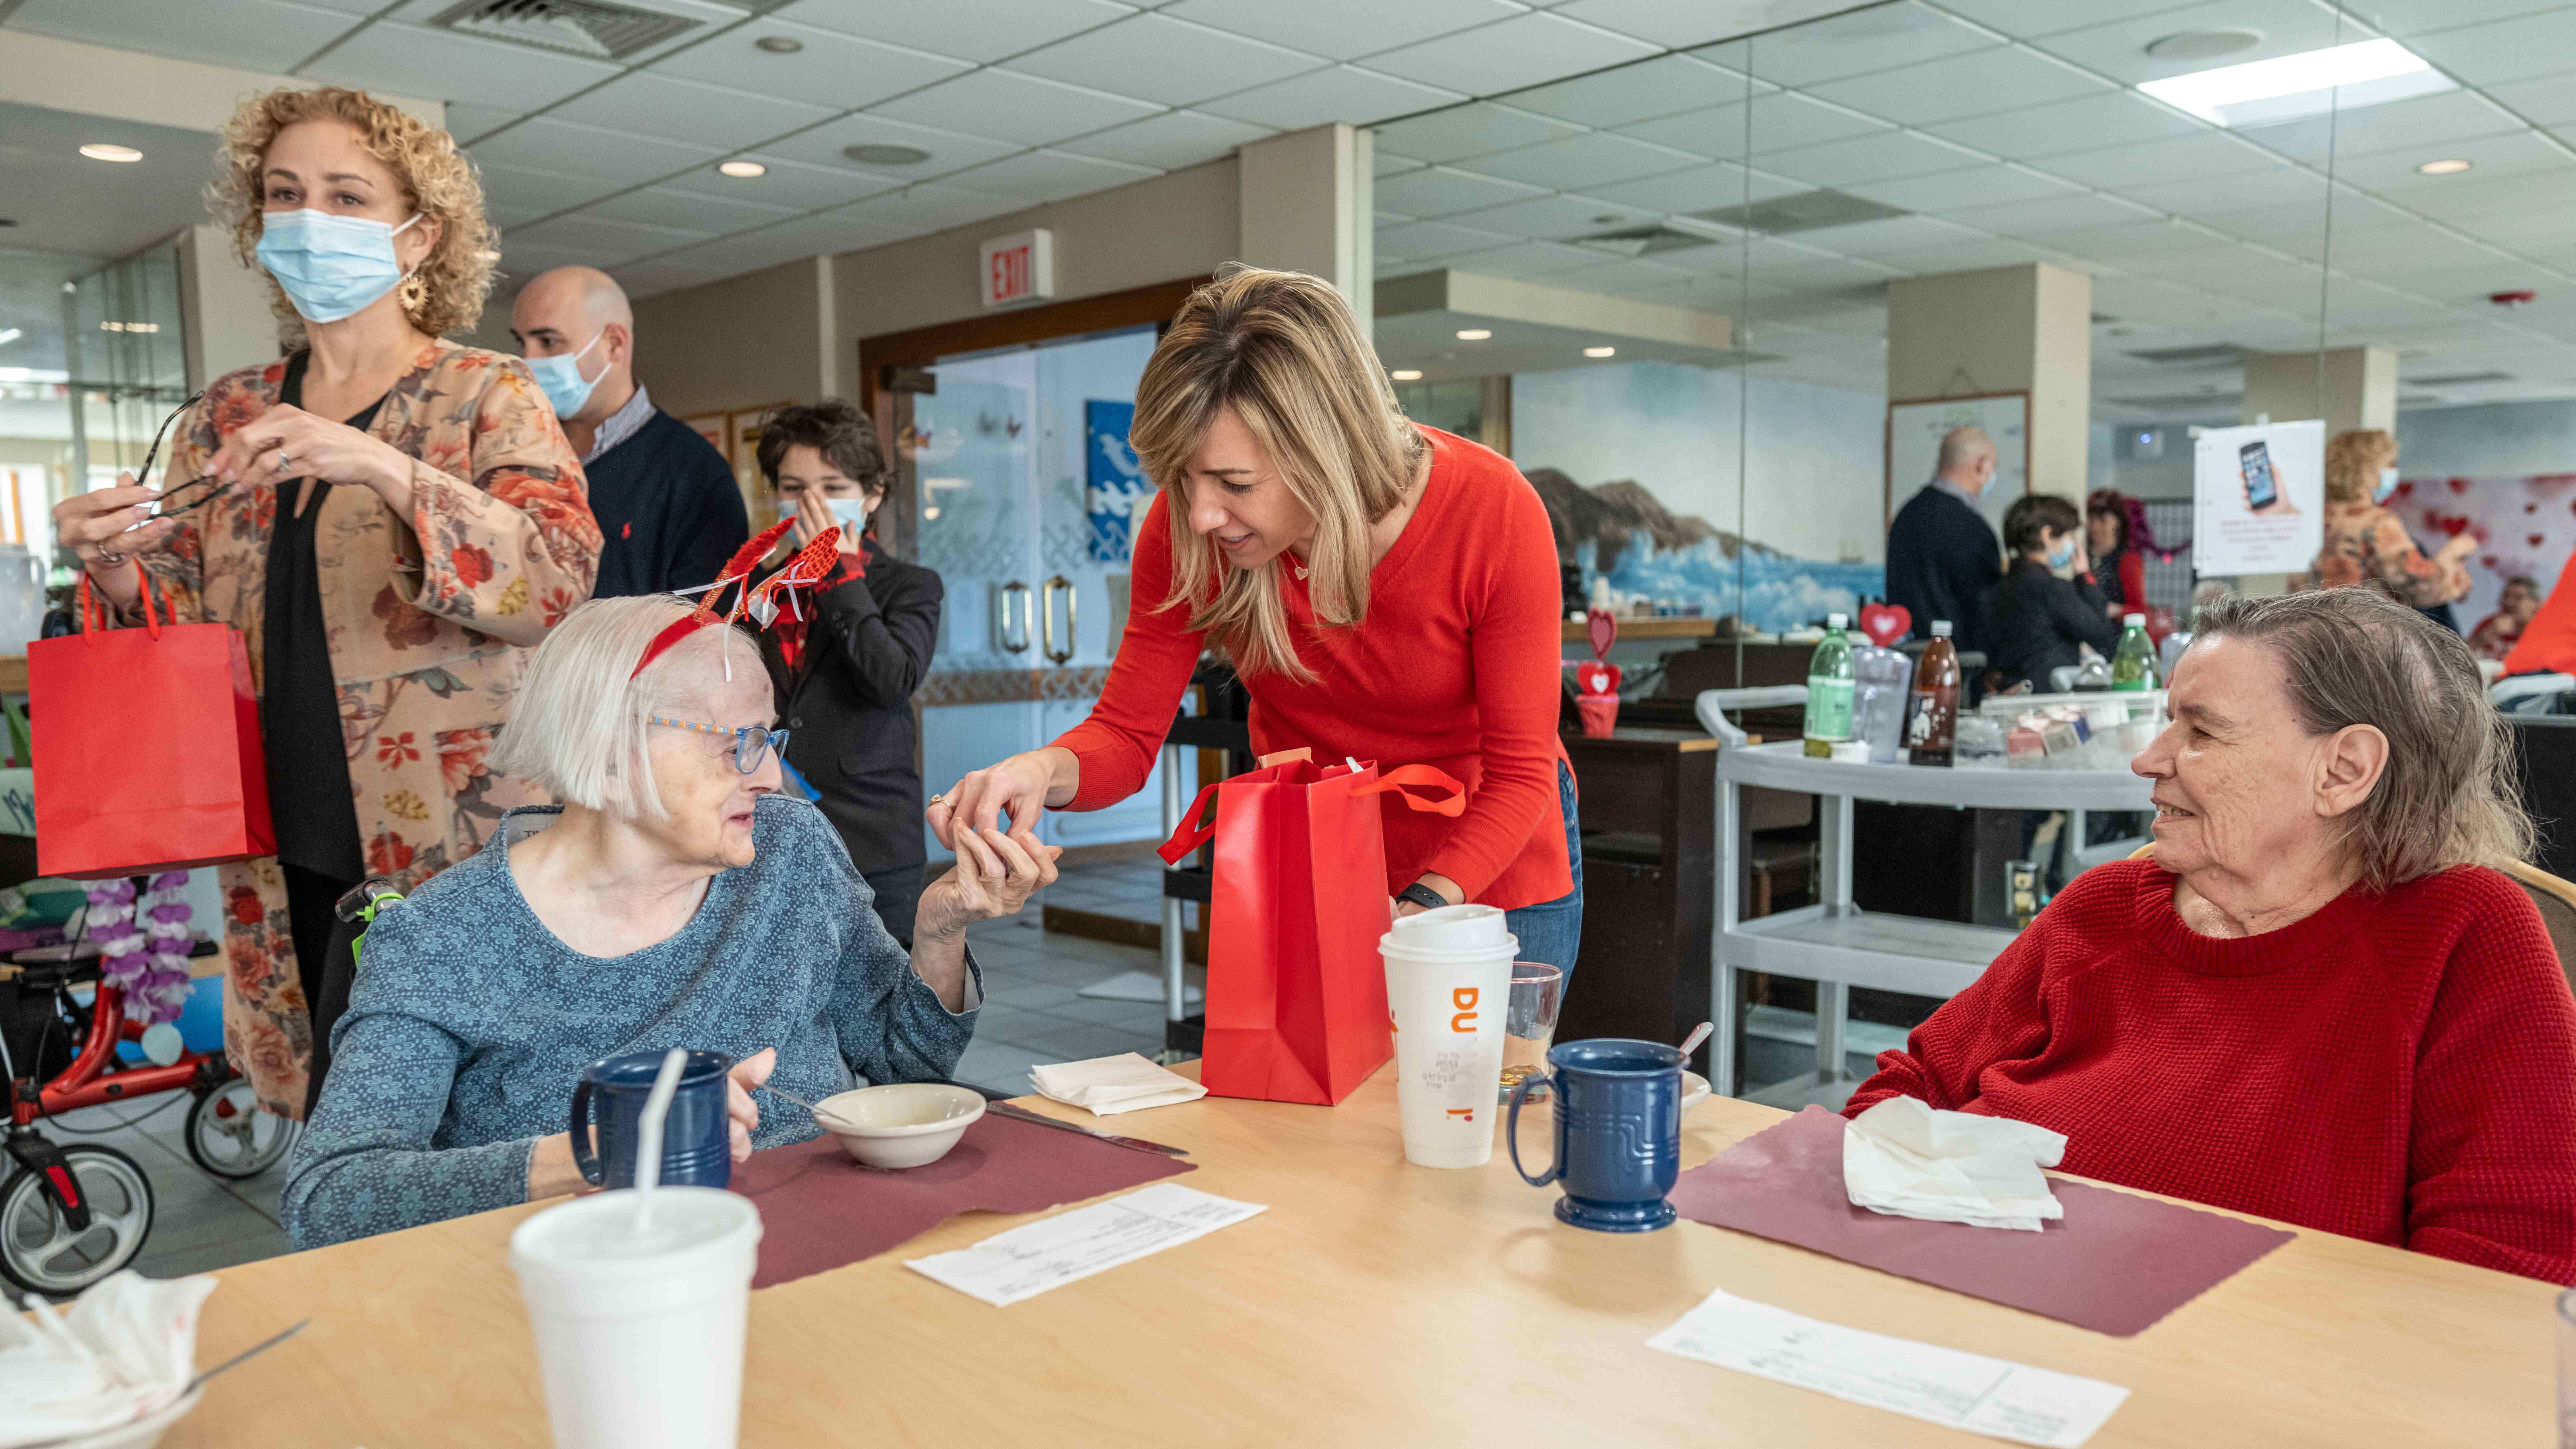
<point>742,170</point>
<point>1474,334</point>
<point>1406,374</point>
<point>109,151</point>
<point>2451,167</point>
<point>1601,352</point>
<point>9,335</point>
<point>2289,87</point>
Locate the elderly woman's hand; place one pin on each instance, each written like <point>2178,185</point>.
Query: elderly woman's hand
<point>996,873</point>
<point>740,1080</point>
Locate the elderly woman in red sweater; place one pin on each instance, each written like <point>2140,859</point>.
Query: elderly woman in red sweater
<point>1385,591</point>
<point>2318,1001</point>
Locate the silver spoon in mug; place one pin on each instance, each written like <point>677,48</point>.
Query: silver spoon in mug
<point>1699,1033</point>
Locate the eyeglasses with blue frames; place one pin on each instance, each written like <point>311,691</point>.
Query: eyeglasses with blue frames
<point>750,742</point>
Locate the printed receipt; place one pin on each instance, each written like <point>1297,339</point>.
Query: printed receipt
<point>1943,1385</point>
<point>1028,1260</point>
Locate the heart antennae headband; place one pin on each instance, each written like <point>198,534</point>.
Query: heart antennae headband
<point>760,604</point>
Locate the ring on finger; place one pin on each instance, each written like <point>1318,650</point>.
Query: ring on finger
<point>935,799</point>
<point>283,462</point>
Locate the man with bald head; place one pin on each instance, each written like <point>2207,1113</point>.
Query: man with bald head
<point>1942,555</point>
<point>667,504</point>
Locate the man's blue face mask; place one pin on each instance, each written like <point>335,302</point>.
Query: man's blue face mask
<point>560,376</point>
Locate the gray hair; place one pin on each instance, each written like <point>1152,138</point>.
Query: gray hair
<point>578,729</point>
<point>2449,794</point>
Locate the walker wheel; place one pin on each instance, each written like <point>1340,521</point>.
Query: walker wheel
<point>38,1249</point>
<point>231,1137</point>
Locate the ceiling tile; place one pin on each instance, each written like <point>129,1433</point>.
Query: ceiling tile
<point>255,34</point>
<point>933,207</point>
<point>1967,256</point>
<point>1527,259</point>
<point>1383,162</point>
<point>652,104</point>
<point>524,260</point>
<point>976,30</point>
<point>598,241</point>
<point>542,143</point>
<point>2543,192</point>
<point>1700,188</point>
<point>639,280</point>
<point>2393,173</point>
<point>1614,97</point>
<point>2286,192</point>
<point>2142,239</point>
<point>2086,124</point>
<point>1036,176</point>
<point>1525,50</point>
<point>2026,18</point>
<point>1695,22</point>
<point>689,210</point>
<point>514,194</point>
<point>796,241</point>
<point>2052,215</point>
<point>1552,218</point>
<point>1013,107</point>
<point>1442,190</point>
<point>2184,158</point>
<point>1169,141</point>
<point>830,69</point>
<point>1877,38</point>
<point>2408,125</point>
<point>348,7</point>
<point>1884,238</point>
<point>411,61</point>
<point>1473,130</point>
<point>469,124</point>
<point>949,151</point>
<point>2505,50</point>
<point>2119,49</point>
<point>1961,85</point>
<point>2549,102</point>
<point>788,183</point>
<point>1869,158</point>
<point>1781,121</point>
<point>1951,191</point>
<point>1587,160</point>
<point>1342,29</point>
<point>1156,58</point>
<point>1336,93</point>
<point>1435,238</point>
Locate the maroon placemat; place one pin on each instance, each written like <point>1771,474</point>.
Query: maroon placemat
<point>2115,1264</point>
<point>820,1210</point>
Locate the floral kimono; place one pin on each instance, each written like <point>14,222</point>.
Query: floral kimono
<point>2365,542</point>
<point>430,619</point>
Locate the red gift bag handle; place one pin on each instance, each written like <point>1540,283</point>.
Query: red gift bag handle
<point>1191,834</point>
<point>94,617</point>
<point>1404,778</point>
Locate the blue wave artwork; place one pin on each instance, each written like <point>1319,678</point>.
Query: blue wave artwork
<point>1115,492</point>
<point>1780,593</point>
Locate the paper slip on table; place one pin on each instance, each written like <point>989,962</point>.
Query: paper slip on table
<point>1377,1303</point>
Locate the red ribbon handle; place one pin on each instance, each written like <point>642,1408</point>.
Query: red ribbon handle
<point>94,615</point>
<point>1404,778</point>
<point>1191,834</point>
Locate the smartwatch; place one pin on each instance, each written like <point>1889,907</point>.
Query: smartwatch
<point>1423,896</point>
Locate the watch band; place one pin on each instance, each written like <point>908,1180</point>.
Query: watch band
<point>1423,896</point>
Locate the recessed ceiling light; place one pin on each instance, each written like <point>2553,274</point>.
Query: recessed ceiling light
<point>1406,374</point>
<point>2452,167</point>
<point>9,335</point>
<point>745,170</point>
<point>1474,334</point>
<point>2285,88</point>
<point>109,151</point>
<point>1601,352</point>
<point>886,155</point>
<point>2204,44</point>
<point>780,44</point>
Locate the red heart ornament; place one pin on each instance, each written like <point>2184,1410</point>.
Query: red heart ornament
<point>1604,628</point>
<point>1596,678</point>
<point>1885,623</point>
<point>2536,538</point>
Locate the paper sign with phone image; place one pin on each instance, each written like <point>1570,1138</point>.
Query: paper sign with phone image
<point>2258,498</point>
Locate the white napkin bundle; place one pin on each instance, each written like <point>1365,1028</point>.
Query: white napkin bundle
<point>124,1352</point>
<point>1907,1160</point>
<point>1105,1085</point>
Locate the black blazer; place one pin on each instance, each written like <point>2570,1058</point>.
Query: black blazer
<point>1942,557</point>
<point>2034,620</point>
<point>848,708</point>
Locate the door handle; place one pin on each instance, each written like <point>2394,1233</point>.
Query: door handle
<point>1046,618</point>
<point>1002,617</point>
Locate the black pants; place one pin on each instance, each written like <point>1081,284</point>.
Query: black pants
<point>898,894</point>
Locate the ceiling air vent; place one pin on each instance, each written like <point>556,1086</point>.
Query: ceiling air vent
<point>2213,354</point>
<point>1643,241</point>
<point>2201,402</point>
<point>2460,379</point>
<point>592,28</point>
<point>1806,211</point>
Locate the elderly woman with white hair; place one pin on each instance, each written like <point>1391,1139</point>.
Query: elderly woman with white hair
<point>2318,1001</point>
<point>673,899</point>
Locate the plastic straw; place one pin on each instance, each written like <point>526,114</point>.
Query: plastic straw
<point>648,1145</point>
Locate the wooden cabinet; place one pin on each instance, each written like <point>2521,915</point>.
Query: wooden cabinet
<point>1647,812</point>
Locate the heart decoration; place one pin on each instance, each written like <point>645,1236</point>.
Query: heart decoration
<point>1596,678</point>
<point>2537,539</point>
<point>1885,623</point>
<point>2459,485</point>
<point>1605,632</point>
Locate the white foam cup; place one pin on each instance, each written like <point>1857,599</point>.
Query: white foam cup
<point>639,1335</point>
<point>1448,982</point>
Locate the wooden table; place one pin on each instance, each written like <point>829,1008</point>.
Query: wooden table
<point>1379,1304</point>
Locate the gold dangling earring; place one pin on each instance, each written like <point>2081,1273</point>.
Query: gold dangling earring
<point>415,296</point>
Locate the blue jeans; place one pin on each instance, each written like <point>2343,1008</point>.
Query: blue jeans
<point>1552,931</point>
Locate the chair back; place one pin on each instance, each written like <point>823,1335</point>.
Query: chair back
<point>1711,704</point>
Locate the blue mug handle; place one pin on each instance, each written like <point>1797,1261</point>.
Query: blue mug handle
<point>593,1171</point>
<point>1512,1129</point>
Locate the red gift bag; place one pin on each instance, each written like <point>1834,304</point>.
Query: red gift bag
<point>146,745</point>
<point>1296,994</point>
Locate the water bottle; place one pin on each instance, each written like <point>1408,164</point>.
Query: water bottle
<point>1933,718</point>
<point>2133,666</point>
<point>1829,690</point>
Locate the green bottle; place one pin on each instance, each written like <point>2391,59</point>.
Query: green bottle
<point>2133,665</point>
<point>1829,691</point>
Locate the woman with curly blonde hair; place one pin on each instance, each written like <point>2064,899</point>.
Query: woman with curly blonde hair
<point>391,519</point>
<point>2366,544</point>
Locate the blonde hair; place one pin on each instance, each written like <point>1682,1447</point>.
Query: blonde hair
<point>578,727</point>
<point>2353,461</point>
<point>446,294</point>
<point>1283,350</point>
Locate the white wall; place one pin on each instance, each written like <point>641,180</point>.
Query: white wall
<point>1816,454</point>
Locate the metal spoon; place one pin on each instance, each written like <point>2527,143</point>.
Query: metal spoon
<point>819,1113</point>
<point>254,1351</point>
<point>1699,1033</point>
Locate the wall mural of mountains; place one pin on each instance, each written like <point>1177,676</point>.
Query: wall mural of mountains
<point>1620,531</point>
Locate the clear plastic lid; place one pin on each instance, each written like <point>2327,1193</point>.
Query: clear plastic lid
<point>1940,628</point>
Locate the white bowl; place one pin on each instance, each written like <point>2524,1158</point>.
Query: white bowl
<point>142,1433</point>
<point>1694,1090</point>
<point>901,1124</point>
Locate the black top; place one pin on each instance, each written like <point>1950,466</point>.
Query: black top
<point>669,512</point>
<point>1942,557</point>
<point>2035,620</point>
<point>848,710</point>
<point>309,793</point>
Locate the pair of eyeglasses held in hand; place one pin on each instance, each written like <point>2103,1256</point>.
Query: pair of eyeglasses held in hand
<point>164,508</point>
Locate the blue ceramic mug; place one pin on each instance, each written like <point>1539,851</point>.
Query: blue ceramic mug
<point>1618,1131</point>
<point>697,1146</point>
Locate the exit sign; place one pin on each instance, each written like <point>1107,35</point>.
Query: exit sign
<point>1019,268</point>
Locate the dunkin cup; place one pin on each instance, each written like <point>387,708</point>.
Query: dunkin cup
<point>1448,983</point>
<point>639,1330</point>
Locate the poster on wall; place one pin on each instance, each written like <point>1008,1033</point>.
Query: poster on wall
<point>1915,431</point>
<point>2258,498</point>
<point>1115,490</point>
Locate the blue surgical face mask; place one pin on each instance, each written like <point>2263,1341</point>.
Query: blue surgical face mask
<point>2387,488</point>
<point>850,513</point>
<point>560,376</point>
<point>2062,555</point>
<point>330,266</point>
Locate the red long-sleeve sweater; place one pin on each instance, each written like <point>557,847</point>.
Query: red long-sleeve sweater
<point>2399,1067</point>
<point>1455,665</point>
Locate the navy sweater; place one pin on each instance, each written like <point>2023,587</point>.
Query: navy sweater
<point>1942,559</point>
<point>668,510</point>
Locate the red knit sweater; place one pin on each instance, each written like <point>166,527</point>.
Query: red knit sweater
<point>2400,1067</point>
<point>1455,665</point>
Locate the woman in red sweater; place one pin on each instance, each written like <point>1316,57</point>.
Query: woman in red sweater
<point>2317,1002</point>
<point>1385,591</point>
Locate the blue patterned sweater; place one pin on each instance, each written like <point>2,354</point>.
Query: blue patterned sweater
<point>469,1022</point>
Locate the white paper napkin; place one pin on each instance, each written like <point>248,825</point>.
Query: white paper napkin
<point>1907,1160</point>
<point>123,1352</point>
<point>1106,1085</point>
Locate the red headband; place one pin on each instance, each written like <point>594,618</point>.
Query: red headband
<point>810,564</point>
